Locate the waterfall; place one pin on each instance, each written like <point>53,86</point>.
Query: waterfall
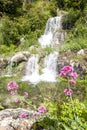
<point>48,72</point>
<point>50,69</point>
<point>32,70</point>
<point>53,33</point>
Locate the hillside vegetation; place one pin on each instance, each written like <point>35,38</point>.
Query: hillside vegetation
<point>26,19</point>
<point>22,22</point>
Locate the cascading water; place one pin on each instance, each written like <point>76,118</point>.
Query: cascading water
<point>32,70</point>
<point>53,33</point>
<point>50,70</point>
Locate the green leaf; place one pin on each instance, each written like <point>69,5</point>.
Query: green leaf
<point>66,127</point>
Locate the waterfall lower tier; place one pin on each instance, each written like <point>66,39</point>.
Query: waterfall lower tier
<point>49,72</point>
<point>32,70</point>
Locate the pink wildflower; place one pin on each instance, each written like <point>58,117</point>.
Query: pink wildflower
<point>66,70</point>
<point>74,75</point>
<point>17,100</point>
<point>65,90</point>
<point>25,94</point>
<point>42,109</point>
<point>33,115</point>
<point>13,92</point>
<point>23,115</point>
<point>12,86</point>
<point>72,81</point>
<point>62,74</point>
<point>68,92</point>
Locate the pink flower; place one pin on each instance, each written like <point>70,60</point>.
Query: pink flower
<point>72,81</point>
<point>17,100</point>
<point>13,92</point>
<point>66,70</point>
<point>25,94</point>
<point>68,92</point>
<point>65,90</point>
<point>74,75</point>
<point>23,115</point>
<point>33,115</point>
<point>42,109</point>
<point>12,86</point>
<point>62,74</point>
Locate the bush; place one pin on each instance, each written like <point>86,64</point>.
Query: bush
<point>10,32</point>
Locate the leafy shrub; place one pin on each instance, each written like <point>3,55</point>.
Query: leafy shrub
<point>68,115</point>
<point>10,32</point>
<point>10,7</point>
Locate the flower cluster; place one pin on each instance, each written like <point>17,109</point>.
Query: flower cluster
<point>41,110</point>
<point>17,100</point>
<point>25,94</point>
<point>23,115</point>
<point>68,92</point>
<point>12,87</point>
<point>69,72</point>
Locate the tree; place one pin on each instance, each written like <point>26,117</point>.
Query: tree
<point>11,6</point>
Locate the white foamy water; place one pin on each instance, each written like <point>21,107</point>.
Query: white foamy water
<point>50,69</point>
<point>46,39</point>
<point>48,72</point>
<point>32,70</point>
<point>52,33</point>
<point>53,36</point>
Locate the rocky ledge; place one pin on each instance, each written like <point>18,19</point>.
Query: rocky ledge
<point>17,119</point>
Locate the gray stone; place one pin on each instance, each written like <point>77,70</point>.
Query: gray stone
<point>19,57</point>
<point>8,121</point>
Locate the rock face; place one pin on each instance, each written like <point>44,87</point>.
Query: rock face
<point>19,57</point>
<point>10,119</point>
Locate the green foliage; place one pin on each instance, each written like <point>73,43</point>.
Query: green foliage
<point>70,18</point>
<point>48,50</point>
<point>5,49</point>
<point>75,4</point>
<point>74,44</point>
<point>76,38</point>
<point>64,117</point>
<point>30,24</point>
<point>10,31</point>
<point>11,7</point>
<point>1,107</point>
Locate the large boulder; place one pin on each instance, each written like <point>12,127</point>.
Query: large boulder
<point>10,119</point>
<point>19,57</point>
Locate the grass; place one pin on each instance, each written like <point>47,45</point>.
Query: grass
<point>74,45</point>
<point>43,92</point>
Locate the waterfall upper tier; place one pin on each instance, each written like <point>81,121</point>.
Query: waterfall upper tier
<point>53,34</point>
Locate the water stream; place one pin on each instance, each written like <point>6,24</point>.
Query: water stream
<point>53,32</point>
<point>52,36</point>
